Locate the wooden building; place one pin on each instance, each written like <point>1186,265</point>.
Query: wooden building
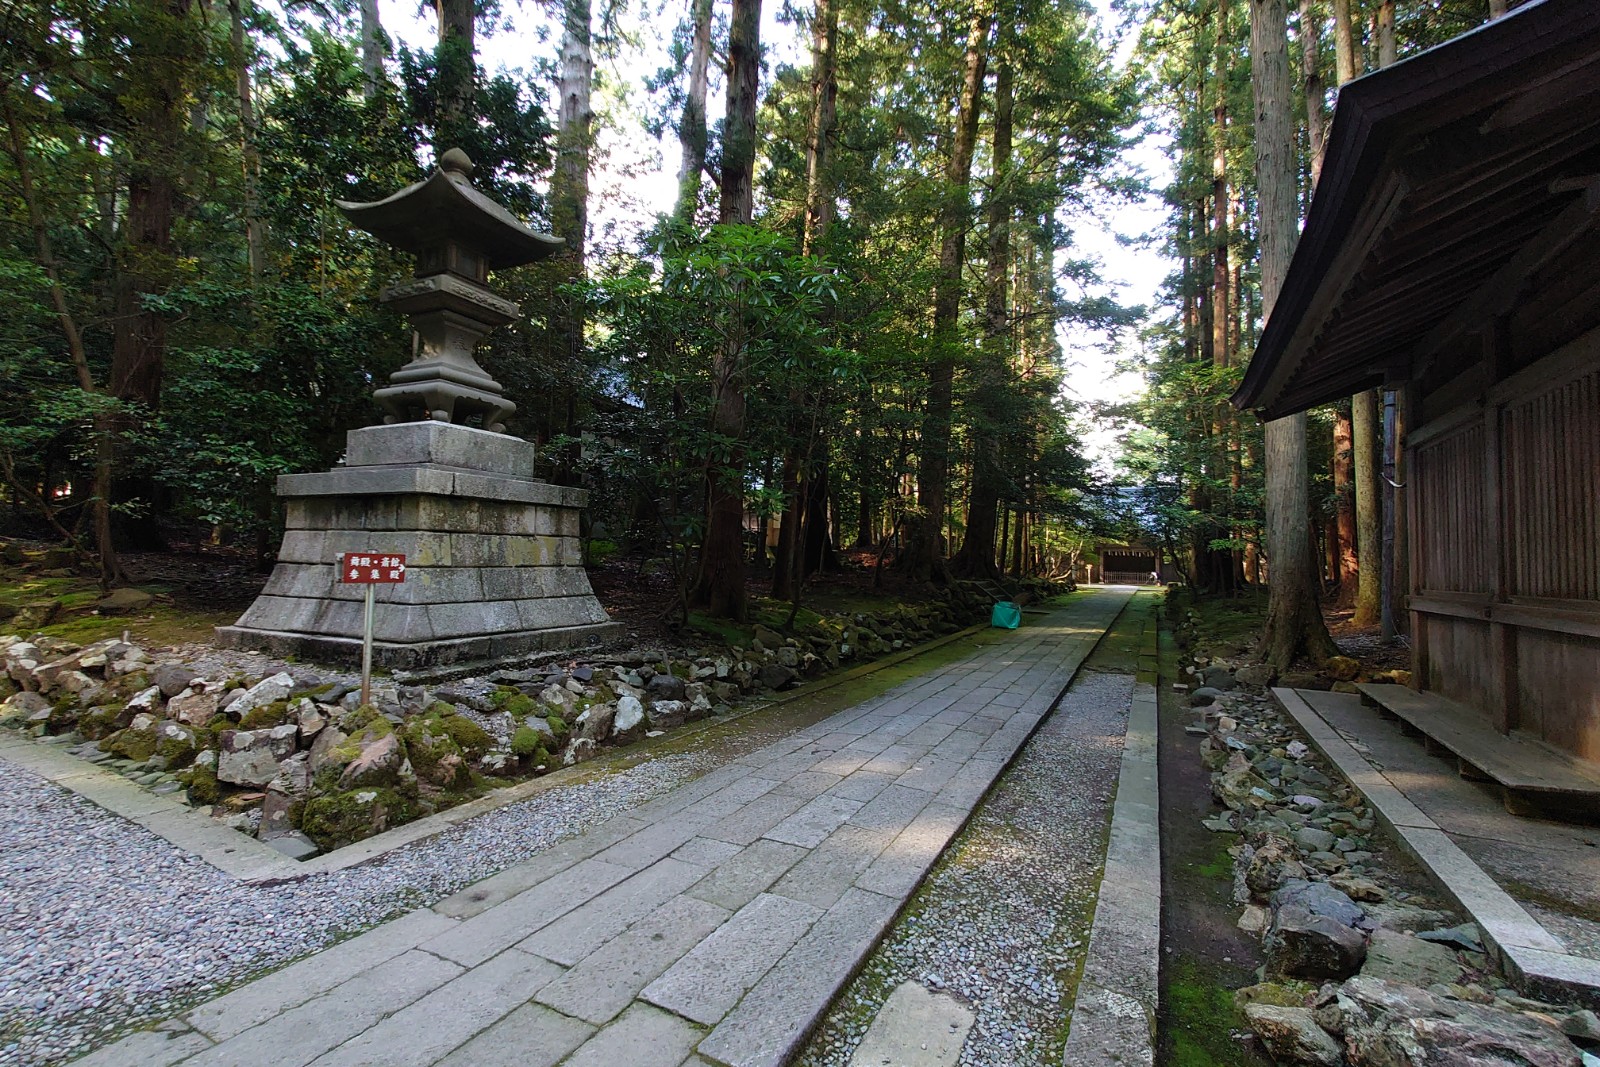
<point>1452,253</point>
<point>1120,563</point>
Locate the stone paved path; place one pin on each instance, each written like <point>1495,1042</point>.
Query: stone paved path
<point>710,926</point>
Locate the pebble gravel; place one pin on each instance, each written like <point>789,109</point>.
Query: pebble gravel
<point>1003,920</point>
<point>104,925</point>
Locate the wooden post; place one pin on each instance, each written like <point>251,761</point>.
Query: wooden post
<point>1416,570</point>
<point>1387,471</point>
<point>366,648</point>
<point>1502,695</point>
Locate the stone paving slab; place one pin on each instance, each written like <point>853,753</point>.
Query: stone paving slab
<point>707,983</point>
<point>584,929</point>
<point>253,1004</point>
<point>710,927</point>
<point>607,981</point>
<point>432,1027</point>
<point>531,1036</point>
<point>915,1028</point>
<point>743,876</point>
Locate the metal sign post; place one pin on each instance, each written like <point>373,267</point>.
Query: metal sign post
<point>370,570</point>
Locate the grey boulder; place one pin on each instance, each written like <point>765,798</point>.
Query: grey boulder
<point>267,691</point>
<point>172,678</point>
<point>1319,898</point>
<point>1385,1024</point>
<point>251,757</point>
<point>1315,947</point>
<point>1291,1035</point>
<point>628,725</point>
<point>595,722</point>
<point>1400,957</point>
<point>665,687</point>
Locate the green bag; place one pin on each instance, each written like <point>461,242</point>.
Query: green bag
<point>1006,615</point>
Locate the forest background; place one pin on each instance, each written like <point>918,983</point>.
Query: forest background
<point>852,317</point>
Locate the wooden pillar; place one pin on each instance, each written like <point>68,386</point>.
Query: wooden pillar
<point>1416,548</point>
<point>1502,695</point>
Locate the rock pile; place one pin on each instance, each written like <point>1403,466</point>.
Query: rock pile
<point>1358,972</point>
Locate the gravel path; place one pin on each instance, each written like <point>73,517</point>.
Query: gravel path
<point>104,925</point>
<point>1004,918</point>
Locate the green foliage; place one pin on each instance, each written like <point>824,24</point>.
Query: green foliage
<point>662,327</point>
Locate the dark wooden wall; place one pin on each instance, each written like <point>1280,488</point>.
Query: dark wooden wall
<point>1504,495</point>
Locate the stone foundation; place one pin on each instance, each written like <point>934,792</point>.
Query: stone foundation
<point>493,561</point>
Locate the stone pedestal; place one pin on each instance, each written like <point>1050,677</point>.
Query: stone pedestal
<point>493,562</point>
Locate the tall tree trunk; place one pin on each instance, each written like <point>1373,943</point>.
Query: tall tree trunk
<point>457,71</point>
<point>977,556</point>
<point>255,227</point>
<point>1364,418</point>
<point>569,200</point>
<point>720,588</point>
<point>795,560</point>
<point>1316,91</point>
<point>1216,564</point>
<point>785,553</point>
<point>1019,543</point>
<point>820,134</point>
<point>1388,51</point>
<point>1191,310</point>
<point>373,50</point>
<point>1344,43</point>
<point>866,515</point>
<point>1220,351</point>
<point>692,125</point>
<point>924,557</point>
<point>1294,621</point>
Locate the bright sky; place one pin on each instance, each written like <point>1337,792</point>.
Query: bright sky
<point>635,176</point>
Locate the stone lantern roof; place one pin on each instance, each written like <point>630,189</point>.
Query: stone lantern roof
<point>445,208</point>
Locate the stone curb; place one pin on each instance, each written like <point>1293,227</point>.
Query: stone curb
<point>1113,1017</point>
<point>1537,963</point>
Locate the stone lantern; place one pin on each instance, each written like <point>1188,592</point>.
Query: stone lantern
<point>458,236</point>
<point>494,567</point>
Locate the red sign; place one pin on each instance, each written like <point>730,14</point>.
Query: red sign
<point>366,568</point>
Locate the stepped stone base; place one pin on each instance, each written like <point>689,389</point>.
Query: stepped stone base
<point>493,562</point>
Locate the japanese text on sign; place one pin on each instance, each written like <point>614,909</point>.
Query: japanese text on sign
<point>372,568</point>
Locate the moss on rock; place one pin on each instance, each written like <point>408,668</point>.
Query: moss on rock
<point>266,716</point>
<point>434,754</point>
<point>103,721</point>
<point>64,714</point>
<point>558,727</point>
<point>177,747</point>
<point>527,744</point>
<point>333,820</point>
<point>473,740</point>
<point>203,785</point>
